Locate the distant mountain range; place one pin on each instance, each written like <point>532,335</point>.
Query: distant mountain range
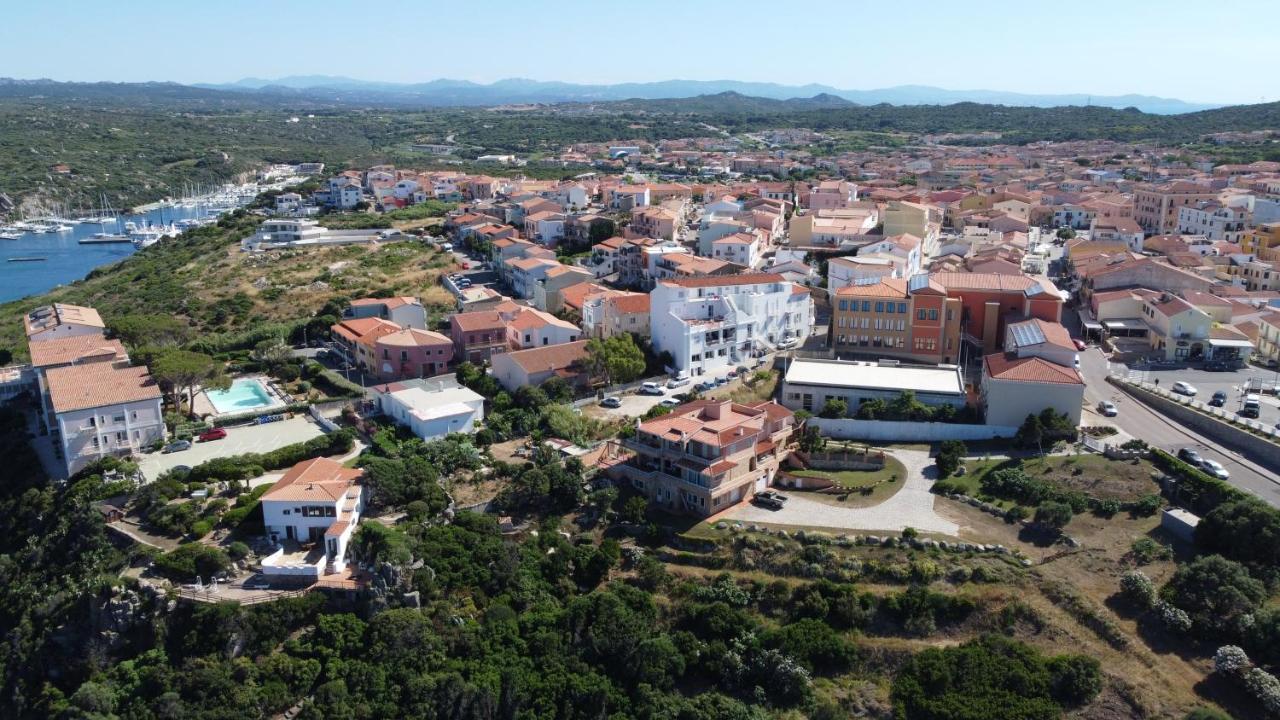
<point>521,91</point>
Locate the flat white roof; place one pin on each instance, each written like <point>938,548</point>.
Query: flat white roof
<point>831,373</point>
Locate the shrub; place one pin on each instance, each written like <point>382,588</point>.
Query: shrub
<point>1053,514</point>
<point>1145,551</point>
<point>192,560</point>
<point>1138,589</point>
<point>1216,593</point>
<point>238,550</point>
<point>1231,660</point>
<point>1174,617</point>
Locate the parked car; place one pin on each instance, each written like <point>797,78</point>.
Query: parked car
<point>1185,388</point>
<point>669,402</point>
<point>1079,343</point>
<point>651,388</point>
<point>732,375</point>
<point>1108,408</point>
<point>678,381</point>
<point>212,434</point>
<point>1189,456</point>
<point>1252,406</point>
<point>770,499</point>
<point>613,401</point>
<point>178,446</point>
<point>447,247</point>
<point>1214,468</point>
<point>1219,399</point>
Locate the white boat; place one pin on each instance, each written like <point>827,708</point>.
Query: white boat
<point>8,235</point>
<point>65,228</point>
<point>97,238</point>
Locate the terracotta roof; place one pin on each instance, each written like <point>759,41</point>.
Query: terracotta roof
<point>76,349</point>
<point>318,479</point>
<point>631,303</point>
<point>365,329</point>
<point>1036,331</point>
<point>1198,298</point>
<point>413,337</point>
<point>79,387</point>
<point>1030,370</point>
<point>557,357</point>
<point>479,320</point>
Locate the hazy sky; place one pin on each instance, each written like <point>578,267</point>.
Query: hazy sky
<point>1198,51</point>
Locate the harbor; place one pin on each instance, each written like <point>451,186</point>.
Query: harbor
<point>40,254</point>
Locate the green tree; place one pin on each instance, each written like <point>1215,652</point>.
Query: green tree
<point>601,230</point>
<point>1030,434</point>
<point>153,331</point>
<point>834,408</point>
<point>950,453</point>
<point>614,360</point>
<point>1066,233</point>
<point>1216,593</point>
<point>181,371</point>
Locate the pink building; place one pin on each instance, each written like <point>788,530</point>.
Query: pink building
<point>389,352</point>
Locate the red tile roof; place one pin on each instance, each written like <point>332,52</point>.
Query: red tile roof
<point>318,479</point>
<point>740,279</point>
<point>79,387</point>
<point>76,349</point>
<point>1030,370</point>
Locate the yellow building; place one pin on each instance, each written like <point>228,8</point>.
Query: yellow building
<point>1263,241</point>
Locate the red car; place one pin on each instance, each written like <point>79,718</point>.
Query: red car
<point>212,434</point>
<point>1079,344</point>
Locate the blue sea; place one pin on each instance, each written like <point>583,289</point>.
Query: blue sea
<point>68,260</point>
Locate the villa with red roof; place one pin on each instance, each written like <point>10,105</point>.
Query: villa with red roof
<point>386,351</point>
<point>708,455</point>
<point>311,513</point>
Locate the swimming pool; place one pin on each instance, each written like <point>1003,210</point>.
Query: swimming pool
<point>244,394</point>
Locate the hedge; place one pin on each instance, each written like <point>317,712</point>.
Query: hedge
<point>241,467</point>
<point>1197,490</point>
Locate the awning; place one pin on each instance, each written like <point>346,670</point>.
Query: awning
<point>1224,343</point>
<point>1125,324</point>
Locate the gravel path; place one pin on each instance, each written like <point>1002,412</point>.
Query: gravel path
<point>912,506</point>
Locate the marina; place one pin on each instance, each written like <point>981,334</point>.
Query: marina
<point>43,253</point>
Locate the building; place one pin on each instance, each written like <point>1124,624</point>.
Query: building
<point>607,314</point>
<point>1014,387</point>
<point>810,383</point>
<point>429,408</point>
<point>845,271</point>
<point>1156,207</point>
<point>1117,230</point>
<point>535,366</point>
<point>707,455</point>
<point>478,335</point>
<point>59,320</point>
<point>832,194</point>
<point>406,312</point>
<point>1038,338</point>
<point>311,513</point>
<point>388,352</point>
<point>739,248</point>
<point>71,350</point>
<point>1262,241</point>
<point>100,409</point>
<point>710,323</point>
<point>1213,220</point>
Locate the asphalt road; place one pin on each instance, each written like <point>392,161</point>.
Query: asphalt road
<point>1232,383</point>
<point>1141,422</point>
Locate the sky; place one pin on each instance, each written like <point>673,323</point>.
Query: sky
<point>1195,51</point>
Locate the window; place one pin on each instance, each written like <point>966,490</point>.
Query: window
<point>902,308</point>
<point>880,307</point>
<point>866,306</point>
<point>117,418</point>
<point>844,304</point>
<point>933,314</point>
<point>286,512</point>
<point>921,314</point>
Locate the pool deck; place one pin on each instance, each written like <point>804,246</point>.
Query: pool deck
<point>204,406</point>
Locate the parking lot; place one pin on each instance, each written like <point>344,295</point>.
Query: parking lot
<point>1232,383</point>
<point>239,440</point>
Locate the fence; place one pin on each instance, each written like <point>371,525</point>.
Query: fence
<point>905,431</point>
<point>212,597</point>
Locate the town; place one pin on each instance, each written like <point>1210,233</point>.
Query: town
<point>946,360</point>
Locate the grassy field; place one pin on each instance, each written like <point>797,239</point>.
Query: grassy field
<point>1093,475</point>
<point>862,488</point>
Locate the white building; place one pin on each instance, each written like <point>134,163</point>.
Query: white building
<point>100,409</point>
<point>1215,221</point>
<point>58,321</point>
<point>739,248</point>
<point>430,409</point>
<point>404,311</point>
<point>710,323</point>
<point>810,383</point>
<point>845,271</point>
<point>1014,387</point>
<point>312,513</point>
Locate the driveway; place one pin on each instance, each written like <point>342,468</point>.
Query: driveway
<point>239,440</point>
<point>634,405</point>
<point>912,506</point>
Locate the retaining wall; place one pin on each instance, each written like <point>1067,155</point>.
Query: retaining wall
<point>905,431</point>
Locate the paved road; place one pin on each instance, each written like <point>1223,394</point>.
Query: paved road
<point>1232,383</point>
<point>912,506</point>
<point>1141,422</point>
